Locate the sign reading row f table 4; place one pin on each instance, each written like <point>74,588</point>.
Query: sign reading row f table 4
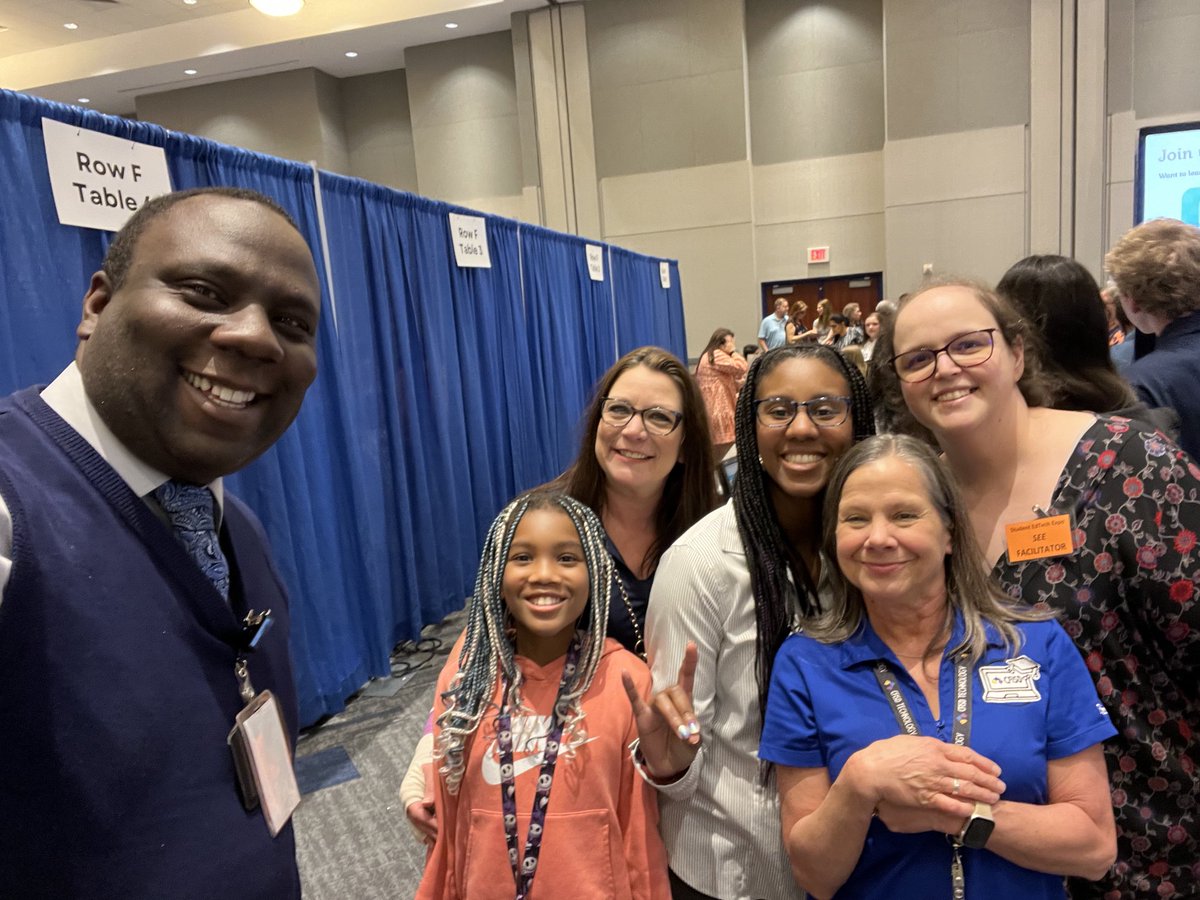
<point>98,180</point>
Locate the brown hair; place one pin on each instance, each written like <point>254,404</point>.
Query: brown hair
<point>691,489</point>
<point>1015,331</point>
<point>1157,266</point>
<point>714,343</point>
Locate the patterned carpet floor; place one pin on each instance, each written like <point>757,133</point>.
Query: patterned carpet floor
<point>352,838</point>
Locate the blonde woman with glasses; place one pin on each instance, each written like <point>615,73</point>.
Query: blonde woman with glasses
<point>1092,517</point>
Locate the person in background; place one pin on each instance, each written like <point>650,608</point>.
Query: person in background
<point>871,326</point>
<point>772,332</point>
<point>1059,297</point>
<point>531,701</point>
<point>749,351</point>
<point>1156,268</point>
<point>853,312</point>
<point>839,336</point>
<point>645,466</point>
<point>795,329</point>
<point>726,595</point>
<point>855,355</point>
<point>1093,517</point>
<point>132,584</point>
<point>820,329</point>
<point>896,713</point>
<point>720,372</point>
<point>1112,302</point>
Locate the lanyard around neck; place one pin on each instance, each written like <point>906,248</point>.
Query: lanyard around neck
<point>525,867</point>
<point>961,734</point>
<point>890,685</point>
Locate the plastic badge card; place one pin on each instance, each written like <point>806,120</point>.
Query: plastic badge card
<point>264,761</point>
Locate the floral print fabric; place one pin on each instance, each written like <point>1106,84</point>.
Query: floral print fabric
<point>1127,595</point>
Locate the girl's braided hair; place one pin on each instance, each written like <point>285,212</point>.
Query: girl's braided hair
<point>488,647</point>
<point>769,555</point>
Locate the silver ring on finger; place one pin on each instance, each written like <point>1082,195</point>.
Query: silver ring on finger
<point>956,786</point>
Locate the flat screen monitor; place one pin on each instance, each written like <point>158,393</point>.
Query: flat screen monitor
<point>1168,173</point>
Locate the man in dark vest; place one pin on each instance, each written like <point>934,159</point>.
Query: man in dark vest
<point>131,584</point>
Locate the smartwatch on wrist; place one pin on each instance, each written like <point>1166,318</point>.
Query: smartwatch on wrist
<point>978,827</point>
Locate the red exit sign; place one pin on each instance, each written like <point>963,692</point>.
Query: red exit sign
<point>818,255</point>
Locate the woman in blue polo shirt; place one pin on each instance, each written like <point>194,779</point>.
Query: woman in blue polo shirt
<point>932,738</point>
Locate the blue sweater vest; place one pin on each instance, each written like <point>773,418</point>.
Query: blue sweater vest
<point>117,688</point>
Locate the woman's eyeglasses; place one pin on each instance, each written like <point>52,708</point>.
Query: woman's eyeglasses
<point>967,350</point>
<point>658,420</point>
<point>825,412</point>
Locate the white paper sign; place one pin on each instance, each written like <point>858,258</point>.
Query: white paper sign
<point>595,261</point>
<point>664,274</point>
<point>98,180</point>
<point>469,234</point>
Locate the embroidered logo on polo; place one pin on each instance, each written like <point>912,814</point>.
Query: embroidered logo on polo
<point>1011,682</point>
<point>529,748</point>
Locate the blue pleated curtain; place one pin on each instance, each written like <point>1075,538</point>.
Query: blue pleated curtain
<point>442,391</point>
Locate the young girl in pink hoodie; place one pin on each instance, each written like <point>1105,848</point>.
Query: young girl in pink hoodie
<point>536,793</point>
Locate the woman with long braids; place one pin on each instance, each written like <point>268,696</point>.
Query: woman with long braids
<point>727,594</point>
<point>529,702</point>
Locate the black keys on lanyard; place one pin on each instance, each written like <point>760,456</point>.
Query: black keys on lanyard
<point>525,867</point>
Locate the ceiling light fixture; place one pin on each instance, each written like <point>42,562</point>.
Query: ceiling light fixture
<point>451,24</point>
<point>85,99</point>
<point>350,54</point>
<point>189,71</point>
<point>277,7</point>
<point>70,26</point>
<point>189,2</point>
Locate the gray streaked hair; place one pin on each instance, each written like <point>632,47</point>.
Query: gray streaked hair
<point>970,589</point>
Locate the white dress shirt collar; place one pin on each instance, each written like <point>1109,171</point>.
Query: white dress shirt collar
<point>67,397</point>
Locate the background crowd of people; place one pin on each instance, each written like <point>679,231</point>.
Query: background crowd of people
<point>957,658</point>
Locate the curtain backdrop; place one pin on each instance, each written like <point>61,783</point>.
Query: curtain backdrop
<point>442,392</point>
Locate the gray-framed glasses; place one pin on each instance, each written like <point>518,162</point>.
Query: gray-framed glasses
<point>778,412</point>
<point>657,419</point>
<point>967,350</point>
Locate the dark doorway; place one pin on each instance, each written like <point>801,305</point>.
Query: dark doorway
<point>866,290</point>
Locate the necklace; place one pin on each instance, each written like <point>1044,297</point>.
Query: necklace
<point>639,646</point>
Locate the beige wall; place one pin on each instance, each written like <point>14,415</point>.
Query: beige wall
<point>295,115</point>
<point>733,135</point>
<point>462,98</point>
<point>379,138</point>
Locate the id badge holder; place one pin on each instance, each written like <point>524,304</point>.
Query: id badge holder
<point>262,756</point>
<point>264,761</point>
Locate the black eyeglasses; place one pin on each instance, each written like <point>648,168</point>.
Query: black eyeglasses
<point>967,350</point>
<point>825,412</point>
<point>657,419</point>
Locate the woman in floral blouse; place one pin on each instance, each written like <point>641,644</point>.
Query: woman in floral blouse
<point>1094,516</point>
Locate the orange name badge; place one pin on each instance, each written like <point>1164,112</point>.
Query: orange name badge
<point>1039,538</point>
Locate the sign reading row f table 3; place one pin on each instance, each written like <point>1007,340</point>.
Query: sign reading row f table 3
<point>469,235</point>
<point>98,180</point>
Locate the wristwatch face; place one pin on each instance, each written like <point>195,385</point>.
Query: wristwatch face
<point>977,832</point>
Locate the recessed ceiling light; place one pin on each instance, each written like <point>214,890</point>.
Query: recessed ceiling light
<point>85,99</point>
<point>351,54</point>
<point>70,26</point>
<point>190,2</point>
<point>277,7</point>
<point>451,24</point>
<point>189,71</point>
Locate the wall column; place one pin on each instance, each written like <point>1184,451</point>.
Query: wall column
<point>562,116</point>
